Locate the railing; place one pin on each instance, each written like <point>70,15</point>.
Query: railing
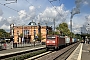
<point>18,45</point>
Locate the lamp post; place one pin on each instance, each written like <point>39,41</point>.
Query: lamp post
<point>87,34</point>
<point>46,29</point>
<point>23,34</point>
<point>34,35</point>
<point>54,25</point>
<point>71,26</point>
<point>39,32</point>
<point>39,28</point>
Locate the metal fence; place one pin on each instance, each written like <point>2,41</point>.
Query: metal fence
<point>18,45</point>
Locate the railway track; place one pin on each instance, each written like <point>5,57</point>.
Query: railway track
<point>62,54</point>
<point>49,55</point>
<point>20,54</point>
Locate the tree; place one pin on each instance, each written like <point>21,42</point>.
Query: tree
<point>78,36</point>
<point>3,33</point>
<point>63,29</point>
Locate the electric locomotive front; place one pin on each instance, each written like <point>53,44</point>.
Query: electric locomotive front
<point>51,42</point>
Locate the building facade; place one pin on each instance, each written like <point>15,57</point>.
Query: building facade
<point>28,33</point>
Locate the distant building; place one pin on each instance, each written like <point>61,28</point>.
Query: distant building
<point>28,32</point>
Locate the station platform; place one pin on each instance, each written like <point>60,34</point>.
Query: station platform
<point>85,52</point>
<point>82,52</point>
<point>17,50</point>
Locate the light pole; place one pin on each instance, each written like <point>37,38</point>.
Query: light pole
<point>46,30</point>
<point>39,32</point>
<point>88,34</point>
<point>39,27</point>
<point>54,25</point>
<point>34,35</point>
<point>23,34</point>
<point>71,26</point>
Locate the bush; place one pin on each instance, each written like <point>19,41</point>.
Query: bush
<point>25,56</point>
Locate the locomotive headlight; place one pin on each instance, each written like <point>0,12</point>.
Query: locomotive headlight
<point>47,41</point>
<point>53,41</point>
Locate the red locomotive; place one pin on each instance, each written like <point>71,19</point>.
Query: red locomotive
<point>54,41</point>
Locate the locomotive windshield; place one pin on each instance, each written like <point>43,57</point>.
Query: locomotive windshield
<point>51,37</point>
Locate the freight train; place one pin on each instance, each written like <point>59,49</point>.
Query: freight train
<point>56,41</point>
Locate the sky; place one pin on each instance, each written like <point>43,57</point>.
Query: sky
<point>44,11</point>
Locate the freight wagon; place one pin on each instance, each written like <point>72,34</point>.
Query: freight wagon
<point>67,40</point>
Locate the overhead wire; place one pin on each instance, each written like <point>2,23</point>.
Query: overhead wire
<point>11,2</point>
<point>55,7</point>
<point>36,8</point>
<point>31,4</point>
<point>9,7</point>
<point>12,8</point>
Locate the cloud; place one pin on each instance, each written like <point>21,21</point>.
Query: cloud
<point>22,14</point>
<point>85,3</point>
<point>47,16</point>
<point>32,12</point>
<point>88,17</point>
<point>50,13</point>
<point>32,8</point>
<point>87,22</point>
<point>13,19</point>
<point>1,12</point>
<point>4,24</point>
<point>5,27</point>
<point>1,18</point>
<point>76,27</point>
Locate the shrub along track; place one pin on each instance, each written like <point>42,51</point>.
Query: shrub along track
<point>23,55</point>
<point>60,54</point>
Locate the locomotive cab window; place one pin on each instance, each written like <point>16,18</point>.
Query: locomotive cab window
<point>51,37</point>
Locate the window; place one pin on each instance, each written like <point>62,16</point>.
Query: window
<point>17,32</point>
<point>26,32</point>
<point>51,37</point>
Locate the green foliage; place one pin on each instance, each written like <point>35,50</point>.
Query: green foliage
<point>63,29</point>
<point>2,30</point>
<point>53,32</point>
<point>56,33</point>
<point>78,36</point>
<point>25,56</point>
<point>3,33</point>
<point>50,33</point>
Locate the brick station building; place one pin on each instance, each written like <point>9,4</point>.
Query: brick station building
<point>28,32</point>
